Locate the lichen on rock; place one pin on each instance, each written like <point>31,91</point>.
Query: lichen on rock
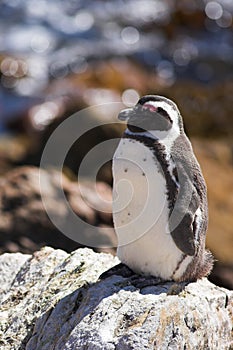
<point>55,300</point>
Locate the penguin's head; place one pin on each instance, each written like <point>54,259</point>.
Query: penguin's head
<point>153,114</point>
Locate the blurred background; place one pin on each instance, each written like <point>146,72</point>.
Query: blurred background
<point>57,57</point>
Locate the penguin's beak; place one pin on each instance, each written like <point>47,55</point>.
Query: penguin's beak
<point>144,118</point>
<point>135,112</point>
<point>125,114</point>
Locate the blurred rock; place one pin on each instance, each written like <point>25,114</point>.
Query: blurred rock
<point>100,124</point>
<point>216,162</point>
<point>207,110</point>
<point>215,158</point>
<point>13,148</point>
<point>116,74</point>
<point>55,300</point>
<point>24,223</point>
<point>222,275</point>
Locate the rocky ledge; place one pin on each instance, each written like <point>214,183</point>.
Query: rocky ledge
<point>54,300</point>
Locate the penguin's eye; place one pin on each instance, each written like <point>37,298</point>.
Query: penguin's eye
<point>162,111</point>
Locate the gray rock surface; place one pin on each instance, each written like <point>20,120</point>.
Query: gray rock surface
<point>55,300</point>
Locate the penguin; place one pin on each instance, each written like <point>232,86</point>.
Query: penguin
<point>160,210</point>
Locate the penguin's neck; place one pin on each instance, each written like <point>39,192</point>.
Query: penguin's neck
<point>165,138</point>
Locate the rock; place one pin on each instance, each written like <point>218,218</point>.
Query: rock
<point>25,225</point>
<point>201,108</point>
<point>215,158</point>
<point>54,300</point>
<point>12,149</point>
<point>10,264</point>
<point>222,275</point>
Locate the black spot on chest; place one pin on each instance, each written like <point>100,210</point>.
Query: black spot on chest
<point>159,152</point>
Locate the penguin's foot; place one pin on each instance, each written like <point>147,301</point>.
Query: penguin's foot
<point>177,288</point>
<point>139,281</point>
<point>120,269</point>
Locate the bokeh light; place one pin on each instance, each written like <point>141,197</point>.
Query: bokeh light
<point>213,10</point>
<point>78,64</point>
<point>58,69</point>
<point>225,20</point>
<point>84,20</point>
<point>130,97</point>
<point>12,67</point>
<point>40,43</point>
<point>165,71</point>
<point>43,115</point>
<point>130,35</point>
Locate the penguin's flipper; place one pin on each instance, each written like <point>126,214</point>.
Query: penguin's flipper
<point>183,235</point>
<point>182,219</point>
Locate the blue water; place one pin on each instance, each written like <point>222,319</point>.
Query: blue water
<point>52,39</point>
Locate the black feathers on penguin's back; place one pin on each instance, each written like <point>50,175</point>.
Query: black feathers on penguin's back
<point>192,184</point>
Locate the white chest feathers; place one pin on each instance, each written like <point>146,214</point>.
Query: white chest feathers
<point>140,213</point>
